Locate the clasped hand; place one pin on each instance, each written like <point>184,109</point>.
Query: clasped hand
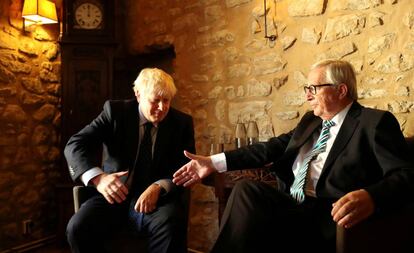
<point>352,208</point>
<point>114,190</point>
<point>147,202</point>
<point>111,187</point>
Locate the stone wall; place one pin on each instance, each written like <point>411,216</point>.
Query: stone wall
<point>226,70</point>
<point>29,126</point>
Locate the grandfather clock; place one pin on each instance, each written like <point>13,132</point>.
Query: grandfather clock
<point>87,45</point>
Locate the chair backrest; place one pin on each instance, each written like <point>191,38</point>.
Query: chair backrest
<point>410,143</point>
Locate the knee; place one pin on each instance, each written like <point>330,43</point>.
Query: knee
<point>78,228</point>
<point>169,225</point>
<point>244,186</point>
<point>73,228</point>
<point>244,191</point>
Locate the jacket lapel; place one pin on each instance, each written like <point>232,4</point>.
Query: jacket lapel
<point>302,135</point>
<point>133,136</point>
<point>344,135</point>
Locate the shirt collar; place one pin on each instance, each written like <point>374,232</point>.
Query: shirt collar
<point>340,116</point>
<point>142,119</point>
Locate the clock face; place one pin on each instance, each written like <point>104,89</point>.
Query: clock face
<point>88,16</point>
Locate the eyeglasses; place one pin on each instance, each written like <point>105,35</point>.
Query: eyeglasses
<point>312,88</point>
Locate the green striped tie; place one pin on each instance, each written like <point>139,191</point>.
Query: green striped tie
<point>296,190</point>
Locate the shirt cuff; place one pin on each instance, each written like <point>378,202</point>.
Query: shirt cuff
<point>219,162</point>
<point>89,174</point>
<point>166,184</point>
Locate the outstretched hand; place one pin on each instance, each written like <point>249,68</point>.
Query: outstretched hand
<point>192,172</point>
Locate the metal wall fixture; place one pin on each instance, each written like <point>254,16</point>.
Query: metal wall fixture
<point>269,37</point>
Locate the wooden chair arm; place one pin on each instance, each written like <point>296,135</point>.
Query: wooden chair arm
<point>81,194</point>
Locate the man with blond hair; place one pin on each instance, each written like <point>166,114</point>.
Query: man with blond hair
<point>143,141</point>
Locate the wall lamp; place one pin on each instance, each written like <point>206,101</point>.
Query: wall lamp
<point>39,12</point>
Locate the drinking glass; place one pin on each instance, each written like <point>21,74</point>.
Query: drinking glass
<point>240,135</point>
<point>252,132</point>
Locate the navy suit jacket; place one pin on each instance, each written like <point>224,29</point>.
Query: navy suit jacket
<point>116,129</point>
<point>369,152</point>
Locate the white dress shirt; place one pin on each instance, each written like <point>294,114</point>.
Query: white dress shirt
<point>315,167</point>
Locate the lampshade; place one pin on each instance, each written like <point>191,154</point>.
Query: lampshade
<point>39,12</point>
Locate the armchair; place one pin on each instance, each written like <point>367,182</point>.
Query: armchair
<point>389,233</point>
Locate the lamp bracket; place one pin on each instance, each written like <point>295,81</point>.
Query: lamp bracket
<point>269,37</point>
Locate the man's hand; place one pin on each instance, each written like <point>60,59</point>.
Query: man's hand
<point>111,187</point>
<point>192,172</point>
<point>353,208</point>
<point>147,202</point>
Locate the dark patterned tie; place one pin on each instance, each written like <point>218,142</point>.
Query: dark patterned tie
<point>142,173</point>
<point>296,190</point>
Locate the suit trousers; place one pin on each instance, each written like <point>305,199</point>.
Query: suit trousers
<point>97,221</point>
<point>260,218</point>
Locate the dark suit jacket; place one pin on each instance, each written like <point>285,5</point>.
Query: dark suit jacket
<point>117,130</point>
<point>369,152</point>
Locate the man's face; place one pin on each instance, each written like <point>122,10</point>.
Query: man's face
<point>154,107</point>
<point>326,102</point>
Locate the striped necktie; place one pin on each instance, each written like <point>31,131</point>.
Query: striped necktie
<point>296,190</point>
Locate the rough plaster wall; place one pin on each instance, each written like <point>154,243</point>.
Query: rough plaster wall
<point>29,127</point>
<point>226,70</point>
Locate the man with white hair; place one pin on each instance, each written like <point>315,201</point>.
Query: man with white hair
<point>340,165</point>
